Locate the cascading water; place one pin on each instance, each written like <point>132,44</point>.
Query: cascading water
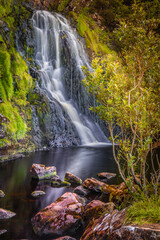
<point>57,49</point>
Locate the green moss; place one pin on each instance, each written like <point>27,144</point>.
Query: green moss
<point>95,37</point>
<point>65,183</point>
<point>6,80</point>
<point>16,128</point>
<point>62,5</point>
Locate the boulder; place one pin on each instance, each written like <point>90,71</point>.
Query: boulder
<point>37,194</point>
<point>5,214</point>
<point>102,227</point>
<point>65,238</point>
<point>93,184</point>
<point>135,232</point>
<point>82,191</point>
<point>69,177</point>
<point>39,171</point>
<point>64,215</point>
<point>97,208</point>
<point>94,209</point>
<point>1,194</point>
<point>106,175</point>
<point>3,231</point>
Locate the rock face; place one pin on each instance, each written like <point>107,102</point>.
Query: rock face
<point>37,194</point>
<point>5,214</point>
<point>39,171</point>
<point>64,215</point>
<point>72,178</point>
<point>106,175</point>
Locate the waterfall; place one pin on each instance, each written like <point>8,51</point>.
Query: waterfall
<point>57,48</point>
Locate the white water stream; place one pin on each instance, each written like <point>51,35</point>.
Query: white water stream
<point>49,30</point>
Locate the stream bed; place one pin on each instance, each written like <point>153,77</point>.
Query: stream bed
<point>16,182</point>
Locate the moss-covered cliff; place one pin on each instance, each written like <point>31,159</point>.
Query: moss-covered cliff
<point>15,81</point>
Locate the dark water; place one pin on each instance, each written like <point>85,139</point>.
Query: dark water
<point>17,184</point>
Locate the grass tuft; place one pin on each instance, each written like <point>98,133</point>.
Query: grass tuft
<point>144,211</point>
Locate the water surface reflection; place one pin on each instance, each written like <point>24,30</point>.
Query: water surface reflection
<point>16,182</point>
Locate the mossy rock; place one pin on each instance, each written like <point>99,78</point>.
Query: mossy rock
<point>65,184</point>
<point>37,194</point>
<point>1,194</point>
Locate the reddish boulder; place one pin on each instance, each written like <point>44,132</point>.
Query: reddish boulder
<point>39,171</point>
<point>64,215</point>
<point>94,209</point>
<point>106,175</point>
<point>93,184</point>
<point>69,177</point>
<point>102,227</point>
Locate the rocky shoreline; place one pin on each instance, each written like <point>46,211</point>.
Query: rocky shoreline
<point>100,219</point>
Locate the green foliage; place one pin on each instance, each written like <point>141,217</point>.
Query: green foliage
<point>144,211</point>
<point>127,92</point>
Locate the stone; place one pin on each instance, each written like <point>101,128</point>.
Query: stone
<point>5,214</point>
<point>81,191</point>
<point>1,194</point>
<point>93,184</point>
<point>3,231</point>
<point>94,210</point>
<point>65,238</point>
<point>40,172</point>
<point>135,233</point>
<point>64,215</point>
<point>70,177</point>
<point>102,227</point>
<point>106,175</point>
<point>36,194</point>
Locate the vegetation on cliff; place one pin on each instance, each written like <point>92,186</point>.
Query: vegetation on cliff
<point>126,86</point>
<point>15,81</point>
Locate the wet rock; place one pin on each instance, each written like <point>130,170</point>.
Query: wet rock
<point>56,181</point>
<point>37,194</point>
<point>135,233</point>
<point>1,194</point>
<point>82,191</point>
<point>94,209</point>
<point>93,184</point>
<point>65,238</point>
<point>3,231</point>
<point>39,171</point>
<point>102,227</point>
<point>64,215</point>
<point>5,214</point>
<point>69,177</point>
<point>106,175</point>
